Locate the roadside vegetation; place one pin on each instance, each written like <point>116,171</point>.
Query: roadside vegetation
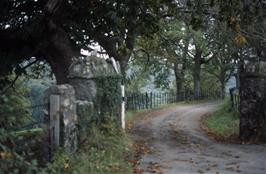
<point>100,153</point>
<point>224,123</point>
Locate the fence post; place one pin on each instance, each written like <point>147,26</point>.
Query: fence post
<point>139,100</point>
<point>54,125</point>
<point>61,119</point>
<point>144,101</point>
<point>123,124</point>
<point>147,101</point>
<point>134,101</point>
<point>151,100</point>
<point>157,99</point>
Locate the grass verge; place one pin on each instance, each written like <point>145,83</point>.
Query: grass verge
<point>102,152</point>
<point>105,153</point>
<point>223,124</point>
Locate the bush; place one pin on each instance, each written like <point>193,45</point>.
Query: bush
<point>103,150</point>
<point>17,148</point>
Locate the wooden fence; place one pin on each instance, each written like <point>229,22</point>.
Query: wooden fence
<point>235,100</point>
<point>137,101</point>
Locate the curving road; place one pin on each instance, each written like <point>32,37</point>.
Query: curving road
<point>179,146</point>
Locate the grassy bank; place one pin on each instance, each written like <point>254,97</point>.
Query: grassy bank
<point>224,123</point>
<point>100,152</point>
<point>105,153</point>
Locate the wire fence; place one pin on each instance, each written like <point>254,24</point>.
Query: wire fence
<point>27,138</point>
<point>32,120</point>
<point>137,101</point>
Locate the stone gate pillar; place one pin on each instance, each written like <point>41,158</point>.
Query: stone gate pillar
<point>61,119</point>
<point>253,102</point>
<point>84,75</point>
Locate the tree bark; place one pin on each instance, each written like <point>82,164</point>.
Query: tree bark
<point>48,41</point>
<point>59,54</point>
<point>196,73</point>
<point>178,80</point>
<point>253,102</point>
<point>197,91</point>
<point>59,51</point>
<point>222,89</point>
<point>222,82</point>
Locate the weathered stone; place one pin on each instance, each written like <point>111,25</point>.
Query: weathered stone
<point>67,115</point>
<point>83,72</point>
<point>253,102</point>
<point>84,75</point>
<point>91,67</point>
<point>85,88</point>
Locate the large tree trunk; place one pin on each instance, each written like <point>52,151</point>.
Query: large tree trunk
<point>253,102</point>
<point>59,54</point>
<point>123,66</point>
<point>196,74</point>
<point>59,51</point>
<point>222,82</point>
<point>222,93</point>
<point>178,80</point>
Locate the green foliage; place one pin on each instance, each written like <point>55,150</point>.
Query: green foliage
<point>114,24</point>
<point>14,112</point>
<point>102,149</point>
<point>36,89</point>
<point>108,99</point>
<point>224,122</point>
<point>209,83</point>
<point>16,164</point>
<point>104,153</point>
<point>21,151</point>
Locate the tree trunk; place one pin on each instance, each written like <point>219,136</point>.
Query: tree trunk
<point>222,81</point>
<point>59,54</point>
<point>222,89</point>
<point>123,66</point>
<point>253,102</point>
<point>197,72</point>
<point>197,91</point>
<point>178,80</point>
<point>59,51</point>
<point>196,79</point>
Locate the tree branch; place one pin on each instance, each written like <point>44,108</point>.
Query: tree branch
<point>17,76</point>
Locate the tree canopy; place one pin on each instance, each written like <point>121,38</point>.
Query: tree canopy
<point>55,31</point>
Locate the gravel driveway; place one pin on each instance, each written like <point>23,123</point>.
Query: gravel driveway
<point>179,146</point>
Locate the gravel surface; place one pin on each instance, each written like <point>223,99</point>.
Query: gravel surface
<point>179,146</point>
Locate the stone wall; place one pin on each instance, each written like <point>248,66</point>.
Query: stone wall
<point>253,102</point>
<point>81,98</point>
<point>83,72</point>
<point>84,75</point>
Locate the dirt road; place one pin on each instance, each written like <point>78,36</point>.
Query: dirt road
<point>179,146</point>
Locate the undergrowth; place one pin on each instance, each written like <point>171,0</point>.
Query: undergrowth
<point>102,152</point>
<point>224,122</point>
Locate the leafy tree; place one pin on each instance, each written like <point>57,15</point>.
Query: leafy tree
<point>247,20</point>
<point>14,115</point>
<point>14,111</point>
<point>164,51</point>
<point>223,65</point>
<point>55,30</point>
